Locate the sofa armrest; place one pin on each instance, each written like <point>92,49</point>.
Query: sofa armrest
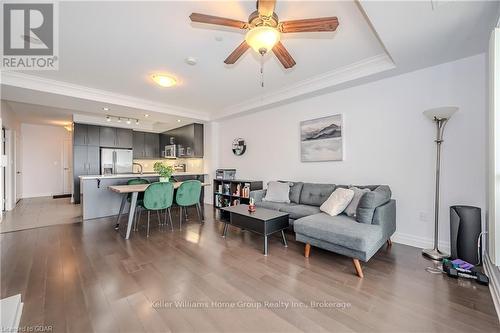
<point>258,195</point>
<point>385,216</point>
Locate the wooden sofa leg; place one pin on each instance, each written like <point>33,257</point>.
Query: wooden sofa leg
<point>307,250</point>
<point>389,242</point>
<point>357,265</point>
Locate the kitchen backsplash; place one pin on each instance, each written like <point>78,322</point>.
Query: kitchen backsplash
<point>192,164</point>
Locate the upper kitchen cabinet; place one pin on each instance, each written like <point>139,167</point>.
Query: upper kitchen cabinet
<point>86,135</point>
<point>188,139</point>
<point>116,137</point>
<point>146,145</point>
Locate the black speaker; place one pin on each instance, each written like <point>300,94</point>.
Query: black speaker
<point>465,228</point>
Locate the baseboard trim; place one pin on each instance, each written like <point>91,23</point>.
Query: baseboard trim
<point>417,241</point>
<point>494,274</point>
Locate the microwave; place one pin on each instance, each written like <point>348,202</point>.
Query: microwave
<point>170,151</point>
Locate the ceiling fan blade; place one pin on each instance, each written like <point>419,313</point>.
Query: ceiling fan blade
<point>202,18</point>
<point>310,25</point>
<point>283,56</point>
<point>237,53</point>
<point>266,7</point>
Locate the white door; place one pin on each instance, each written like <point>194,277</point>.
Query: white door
<point>67,169</point>
<point>19,178</point>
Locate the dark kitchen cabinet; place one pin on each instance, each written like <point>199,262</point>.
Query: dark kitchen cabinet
<point>188,139</point>
<point>123,138</point>
<point>85,162</point>
<point>113,137</point>
<point>86,135</point>
<point>146,145</point>
<point>151,145</point>
<point>107,136</point>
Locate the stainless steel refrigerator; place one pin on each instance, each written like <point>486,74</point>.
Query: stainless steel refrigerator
<point>114,161</point>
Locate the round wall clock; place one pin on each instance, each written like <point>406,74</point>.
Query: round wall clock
<point>239,146</point>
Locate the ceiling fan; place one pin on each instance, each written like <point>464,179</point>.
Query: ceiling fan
<point>264,30</point>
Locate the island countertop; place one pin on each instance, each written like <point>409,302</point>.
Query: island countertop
<point>132,175</point>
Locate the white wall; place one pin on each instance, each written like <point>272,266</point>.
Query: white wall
<point>387,141</point>
<point>42,154</point>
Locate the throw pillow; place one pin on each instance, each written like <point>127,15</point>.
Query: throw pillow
<point>370,201</point>
<point>358,193</point>
<point>337,201</point>
<point>277,192</point>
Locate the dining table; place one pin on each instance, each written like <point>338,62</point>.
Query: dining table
<point>125,190</point>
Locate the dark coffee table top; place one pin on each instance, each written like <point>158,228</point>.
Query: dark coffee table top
<point>260,213</point>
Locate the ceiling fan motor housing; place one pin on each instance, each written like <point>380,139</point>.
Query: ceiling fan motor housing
<point>257,20</point>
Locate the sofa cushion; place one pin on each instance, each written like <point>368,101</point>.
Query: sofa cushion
<point>272,205</point>
<point>337,201</point>
<point>340,230</point>
<point>277,192</point>
<point>353,205</point>
<point>315,194</point>
<point>295,189</point>
<point>299,211</point>
<point>370,201</point>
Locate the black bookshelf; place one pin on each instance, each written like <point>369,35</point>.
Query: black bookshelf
<point>231,192</point>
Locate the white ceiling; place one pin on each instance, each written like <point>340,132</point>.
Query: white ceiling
<point>109,49</point>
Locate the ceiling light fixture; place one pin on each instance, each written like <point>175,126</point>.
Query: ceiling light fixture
<point>129,121</point>
<point>105,108</point>
<point>163,80</point>
<point>146,115</point>
<point>191,61</point>
<point>262,38</point>
<point>178,120</point>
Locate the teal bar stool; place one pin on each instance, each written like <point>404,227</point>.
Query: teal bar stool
<point>157,197</point>
<point>135,181</point>
<point>188,194</point>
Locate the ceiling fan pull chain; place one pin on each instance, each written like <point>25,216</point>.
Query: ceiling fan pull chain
<point>262,70</point>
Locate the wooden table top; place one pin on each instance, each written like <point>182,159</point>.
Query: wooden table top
<point>141,187</point>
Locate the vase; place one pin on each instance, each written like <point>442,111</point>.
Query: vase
<point>164,179</point>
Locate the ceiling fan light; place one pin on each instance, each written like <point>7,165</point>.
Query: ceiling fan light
<point>162,80</point>
<point>262,39</point>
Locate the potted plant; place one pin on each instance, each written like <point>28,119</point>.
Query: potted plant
<point>165,171</point>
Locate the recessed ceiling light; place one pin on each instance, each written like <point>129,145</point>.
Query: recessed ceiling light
<point>128,121</point>
<point>178,120</point>
<point>108,118</point>
<point>137,121</point>
<point>164,80</point>
<point>119,120</point>
<point>146,115</point>
<point>105,108</point>
<point>191,61</point>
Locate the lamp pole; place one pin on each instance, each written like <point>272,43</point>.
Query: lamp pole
<point>435,253</point>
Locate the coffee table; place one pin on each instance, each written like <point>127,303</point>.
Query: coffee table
<point>263,222</point>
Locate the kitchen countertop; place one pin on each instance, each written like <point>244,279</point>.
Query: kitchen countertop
<point>132,175</point>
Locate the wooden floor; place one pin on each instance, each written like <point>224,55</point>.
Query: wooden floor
<point>85,277</point>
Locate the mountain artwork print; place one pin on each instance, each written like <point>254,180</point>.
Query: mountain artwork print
<point>321,139</point>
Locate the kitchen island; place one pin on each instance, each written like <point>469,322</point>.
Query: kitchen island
<point>97,201</point>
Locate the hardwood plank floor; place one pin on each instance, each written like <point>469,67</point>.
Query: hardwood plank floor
<point>84,277</point>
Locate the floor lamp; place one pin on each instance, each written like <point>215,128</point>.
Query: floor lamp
<point>440,117</point>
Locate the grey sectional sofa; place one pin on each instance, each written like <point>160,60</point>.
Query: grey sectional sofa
<point>357,237</point>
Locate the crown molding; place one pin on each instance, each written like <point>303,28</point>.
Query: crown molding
<point>357,70</point>
<point>106,97</point>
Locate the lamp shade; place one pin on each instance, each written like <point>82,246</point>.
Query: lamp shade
<point>262,39</point>
<point>440,113</point>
